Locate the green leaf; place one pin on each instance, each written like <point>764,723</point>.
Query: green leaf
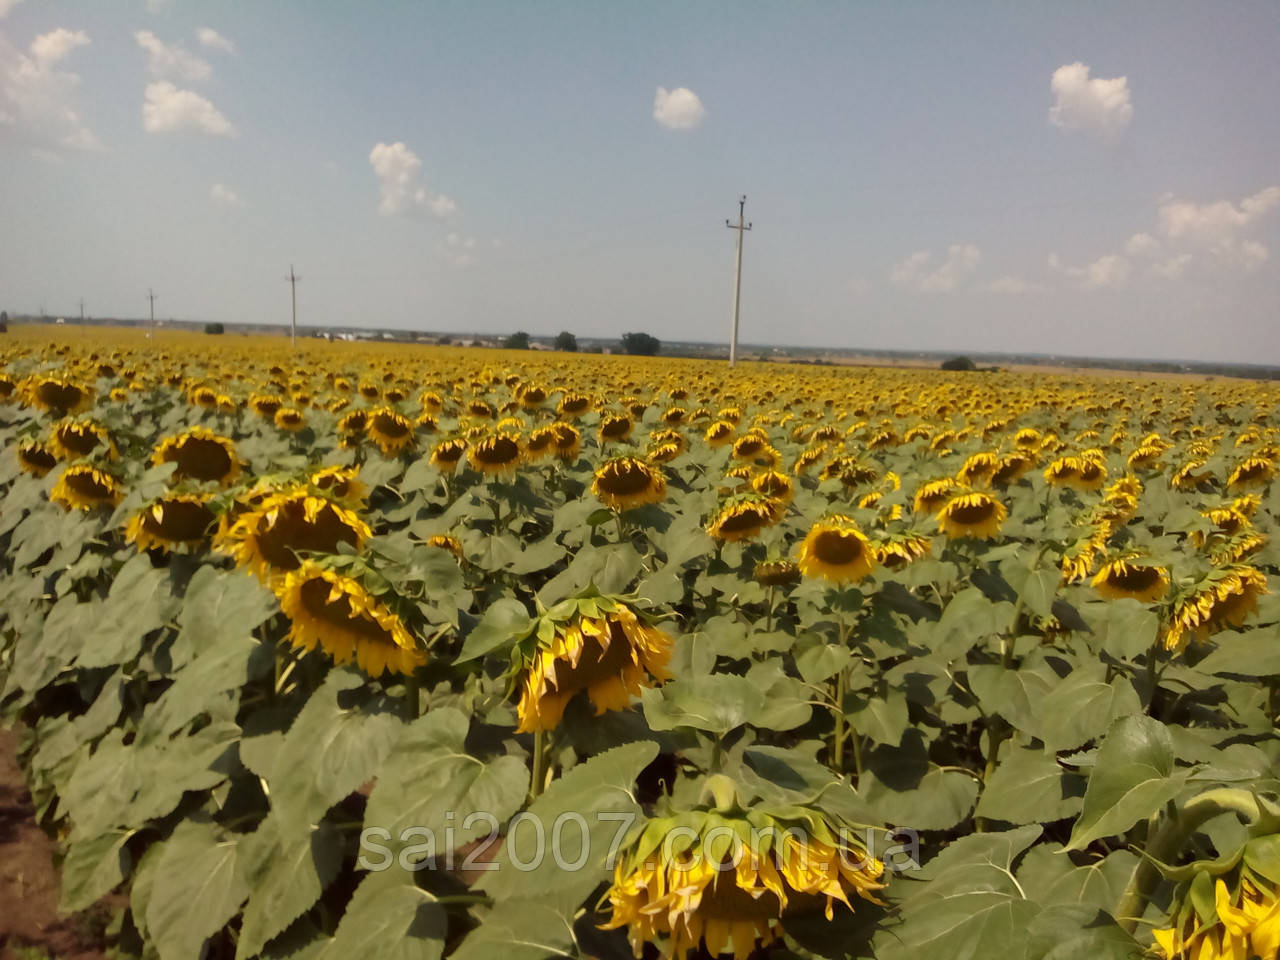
<point>1049,877</point>
<point>197,887</point>
<point>1029,786</point>
<point>880,718</point>
<point>520,930</point>
<point>430,781</point>
<point>718,703</point>
<point>505,622</point>
<point>1251,654</point>
<point>1124,628</point>
<point>289,868</point>
<point>612,568</point>
<point>970,907</point>
<point>389,918</point>
<point>1072,931</point>
<point>1133,778</point>
<point>582,816</point>
<point>329,752</point>
<point>1080,709</point>
<point>221,607</point>
<point>92,869</point>
<point>1036,588</point>
<point>206,679</point>
<point>139,601</point>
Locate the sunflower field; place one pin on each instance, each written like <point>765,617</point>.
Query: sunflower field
<point>382,650</point>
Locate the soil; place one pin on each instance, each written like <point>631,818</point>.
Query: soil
<point>30,925</point>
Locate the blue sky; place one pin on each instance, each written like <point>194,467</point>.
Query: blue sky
<point>1084,178</point>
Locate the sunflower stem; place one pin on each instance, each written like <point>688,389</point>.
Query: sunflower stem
<point>622,532</point>
<point>538,781</point>
<point>837,709</point>
<point>768,611</point>
<point>412,697</point>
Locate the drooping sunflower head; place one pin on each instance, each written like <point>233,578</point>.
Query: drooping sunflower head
<point>932,496</point>
<point>776,573</point>
<point>723,878</point>
<point>615,427</point>
<point>743,517</point>
<point>1011,468</point>
<point>266,405</point>
<point>57,396</point>
<point>595,645</point>
<point>626,482</point>
<point>84,487</point>
<point>720,433</point>
<point>972,514</point>
<point>391,431</point>
<point>332,609</point>
<point>173,522</point>
<point>897,550</point>
<point>289,419</point>
<point>447,541</point>
<point>573,405</point>
<point>836,550</point>
<point>1224,598</point>
<point>200,455</point>
<point>352,425</point>
<point>73,439</point>
<point>1191,474</point>
<point>286,527</point>
<point>1251,472</point>
<point>499,453</point>
<point>35,458</point>
<point>1128,577</point>
<point>978,469</point>
<point>774,485</point>
<point>341,483</point>
<point>447,454</point>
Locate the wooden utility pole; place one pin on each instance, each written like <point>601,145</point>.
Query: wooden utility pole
<point>82,309</point>
<point>152,297</point>
<point>293,296</point>
<point>742,227</point>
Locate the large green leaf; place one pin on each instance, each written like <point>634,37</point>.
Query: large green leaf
<point>1074,932</point>
<point>206,679</point>
<point>93,868</point>
<point>1133,778</point>
<point>1081,708</point>
<point>139,601</point>
<point>220,607</point>
<point>389,918</point>
<point>505,621</point>
<point>520,930</point>
<point>197,887</point>
<point>1029,786</point>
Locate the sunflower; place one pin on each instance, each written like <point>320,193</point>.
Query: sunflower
<point>774,485</point>
<point>265,405</point>
<point>83,487</point>
<point>599,646</point>
<point>1216,916</point>
<point>933,496</point>
<point>836,550</point>
<point>201,455</point>
<point>1224,598</point>
<point>1010,468</point>
<point>573,405</point>
<point>1252,472</point>
<point>205,397</point>
<point>391,431</point>
<point>978,469</point>
<point>776,573</point>
<point>972,514</point>
<point>615,427</point>
<point>720,433</point>
<point>290,419</point>
<point>626,482</point>
<point>896,550</point>
<point>57,396</point>
<point>744,516</point>
<point>341,482</point>
<point>352,425</point>
<point>1123,577</point>
<point>446,541</point>
<point>269,538</point>
<point>850,472</point>
<point>337,612</point>
<point>497,454</point>
<point>696,881</point>
<point>447,454</point>
<point>1190,475</point>
<point>35,458</point>
<point>175,521</point>
<point>73,439</point>
<point>807,459</point>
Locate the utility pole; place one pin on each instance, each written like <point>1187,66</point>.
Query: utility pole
<point>82,309</point>
<point>742,227</point>
<point>152,297</point>
<point>293,295</point>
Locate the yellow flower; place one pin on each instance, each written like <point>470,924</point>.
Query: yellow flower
<point>56,396</point>
<point>1123,578</point>
<point>836,550</point>
<point>445,541</point>
<point>341,482</point>
<point>35,458</point>
<point>626,482</point>
<point>83,487</point>
<point>1223,599</point>
<point>776,573</point>
<point>72,439</point>
<point>774,485</point>
<point>933,496</point>
<point>337,613</point>
<point>497,454</point>
<point>200,454</point>
<point>978,469</point>
<point>743,517</point>
<point>897,550</point>
<point>973,514</point>
<point>290,419</point>
<point>448,454</point>
<point>610,656</point>
<point>615,427</point>
<point>391,431</point>
<point>269,538</point>
<point>172,522</point>
<point>720,433</point>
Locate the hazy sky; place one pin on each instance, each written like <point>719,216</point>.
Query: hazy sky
<point>1085,178</point>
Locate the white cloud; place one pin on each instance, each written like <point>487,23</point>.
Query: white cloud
<point>401,186</point>
<point>1218,227</point>
<point>224,196</point>
<point>962,259</point>
<point>1109,271</point>
<point>37,97</point>
<point>1254,253</point>
<point>212,39</point>
<point>171,59</point>
<point>1141,244</point>
<point>678,109</point>
<point>1013,286</point>
<point>1172,268</point>
<point>170,110</point>
<point>6,6</point>
<point>1094,105</point>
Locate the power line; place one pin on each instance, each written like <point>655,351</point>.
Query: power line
<point>293,296</point>
<point>742,227</point>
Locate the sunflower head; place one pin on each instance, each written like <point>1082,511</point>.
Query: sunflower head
<point>447,454</point>
<point>173,522</point>
<point>331,608</point>
<point>84,487</point>
<point>972,514</point>
<point>597,645</point>
<point>1128,577</point>
<point>615,427</point>
<point>720,877</point>
<point>73,439</point>
<point>391,431</point>
<point>447,541</point>
<point>200,455</point>
<point>1253,471</point>
<point>1224,598</point>
<point>285,527</point>
<point>720,433</point>
<point>836,550</point>
<point>57,396</point>
<point>35,458</point>
<point>932,496</point>
<point>626,482</point>
<point>776,573</point>
<point>496,454</point>
<point>341,483</point>
<point>774,485</point>
<point>743,517</point>
<point>897,550</point>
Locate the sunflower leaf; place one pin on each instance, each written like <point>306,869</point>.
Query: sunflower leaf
<point>200,866</point>
<point>390,918</point>
<point>521,930</point>
<point>507,621</point>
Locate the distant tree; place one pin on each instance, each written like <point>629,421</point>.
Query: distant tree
<point>445,340</point>
<point>640,344</point>
<point>517,341</point>
<point>566,342</point>
<point>959,363</point>
<point>4,321</point>
<point>214,328</point>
